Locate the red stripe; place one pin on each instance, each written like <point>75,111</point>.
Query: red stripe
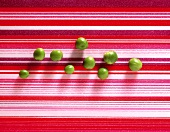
<point>113,67</point>
<point>78,9</point>
<point>86,36</point>
<point>84,124</point>
<point>84,22</point>
<point>87,98</point>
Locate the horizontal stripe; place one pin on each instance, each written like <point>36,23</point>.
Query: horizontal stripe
<point>83,9</point>
<point>90,76</point>
<point>85,104</point>
<point>95,37</point>
<point>82,72</point>
<point>67,82</point>
<point>85,113</point>
<point>71,46</point>
<point>85,98</point>
<point>85,28</point>
<point>85,32</point>
<point>96,53</point>
<point>84,124</point>
<point>91,41</point>
<point>151,60</point>
<point>87,4</point>
<point>80,67</point>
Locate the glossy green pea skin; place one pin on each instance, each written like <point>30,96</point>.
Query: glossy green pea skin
<point>39,54</point>
<point>81,43</point>
<point>69,69</point>
<point>89,63</point>
<point>110,57</point>
<point>135,64</point>
<point>23,73</point>
<point>103,73</point>
<point>56,55</point>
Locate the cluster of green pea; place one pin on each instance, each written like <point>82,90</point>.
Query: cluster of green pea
<point>110,57</point>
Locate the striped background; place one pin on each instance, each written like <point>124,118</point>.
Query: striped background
<point>50,100</point>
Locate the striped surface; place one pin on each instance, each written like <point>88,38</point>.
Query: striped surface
<point>54,100</point>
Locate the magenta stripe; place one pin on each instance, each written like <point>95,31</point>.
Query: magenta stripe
<point>91,46</point>
<point>85,3</point>
<point>85,32</point>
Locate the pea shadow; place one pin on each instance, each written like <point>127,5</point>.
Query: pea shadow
<point>20,82</point>
<point>129,83</point>
<point>98,84</point>
<point>65,79</point>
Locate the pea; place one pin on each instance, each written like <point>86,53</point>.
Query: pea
<point>135,64</point>
<point>103,73</point>
<point>23,73</point>
<point>110,57</point>
<point>81,43</point>
<point>56,55</point>
<point>69,69</point>
<point>39,54</point>
<point>89,62</point>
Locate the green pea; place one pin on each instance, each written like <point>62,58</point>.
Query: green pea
<point>39,54</point>
<point>110,57</point>
<point>56,55</point>
<point>69,69</point>
<point>103,73</point>
<point>135,64</point>
<point>89,62</point>
<point>81,43</point>
<point>23,73</point>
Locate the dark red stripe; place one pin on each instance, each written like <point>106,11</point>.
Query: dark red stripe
<point>88,4</point>
<point>58,36</point>
<point>86,32</point>
<point>84,22</point>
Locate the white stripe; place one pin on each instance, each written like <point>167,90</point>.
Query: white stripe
<point>84,27</point>
<point>89,76</point>
<point>96,53</point>
<point>86,104</point>
<point>87,113</point>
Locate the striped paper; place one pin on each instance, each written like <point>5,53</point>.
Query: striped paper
<point>50,100</point>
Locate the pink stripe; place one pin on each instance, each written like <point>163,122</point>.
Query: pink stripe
<point>91,46</point>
